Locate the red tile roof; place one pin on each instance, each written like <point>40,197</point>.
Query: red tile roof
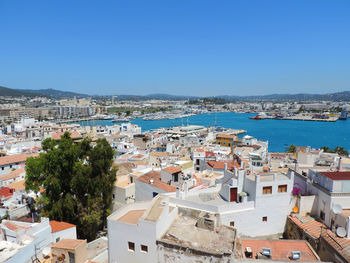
<point>337,175</point>
<point>209,154</point>
<point>12,175</point>
<point>17,158</point>
<point>308,224</point>
<point>313,228</point>
<point>57,226</point>
<point>221,165</point>
<point>172,169</point>
<point>281,250</point>
<point>6,192</point>
<point>340,244</point>
<point>11,226</point>
<point>73,135</point>
<point>157,182</point>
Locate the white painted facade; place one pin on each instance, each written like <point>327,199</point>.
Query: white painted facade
<point>69,233</point>
<point>145,232</point>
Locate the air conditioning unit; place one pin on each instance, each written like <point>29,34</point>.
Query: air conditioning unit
<point>248,252</point>
<point>296,255</point>
<point>266,252</point>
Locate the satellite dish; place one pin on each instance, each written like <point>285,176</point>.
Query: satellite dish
<point>337,209</point>
<point>341,232</point>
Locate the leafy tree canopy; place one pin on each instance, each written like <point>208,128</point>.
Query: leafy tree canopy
<point>78,180</point>
<point>339,150</point>
<point>291,148</point>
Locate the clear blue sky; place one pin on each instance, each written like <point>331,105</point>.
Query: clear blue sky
<point>184,47</point>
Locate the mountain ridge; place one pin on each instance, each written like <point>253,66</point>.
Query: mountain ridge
<point>335,96</point>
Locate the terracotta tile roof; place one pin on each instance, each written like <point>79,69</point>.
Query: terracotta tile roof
<point>337,175</point>
<point>221,164</point>
<point>157,182</point>
<point>172,169</point>
<point>137,156</point>
<point>341,245</point>
<point>12,175</point>
<point>57,226</point>
<point>281,250</point>
<point>68,243</point>
<point>6,192</point>
<point>73,135</point>
<point>17,158</point>
<point>209,154</point>
<point>309,224</point>
<point>11,226</point>
<point>19,185</point>
<point>159,154</point>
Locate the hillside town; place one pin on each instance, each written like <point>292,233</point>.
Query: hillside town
<point>43,108</point>
<point>182,194</point>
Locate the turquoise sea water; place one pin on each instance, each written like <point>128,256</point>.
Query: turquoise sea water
<point>279,133</point>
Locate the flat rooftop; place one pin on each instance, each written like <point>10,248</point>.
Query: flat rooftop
<point>208,199</point>
<point>268,177</point>
<point>131,217</point>
<point>184,233</point>
<point>281,250</point>
<point>156,210</point>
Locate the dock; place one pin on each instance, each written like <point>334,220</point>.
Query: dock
<point>301,118</point>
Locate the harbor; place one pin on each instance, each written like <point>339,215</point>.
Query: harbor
<point>298,117</point>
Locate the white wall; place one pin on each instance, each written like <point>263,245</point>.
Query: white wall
<point>145,191</point>
<point>70,233</point>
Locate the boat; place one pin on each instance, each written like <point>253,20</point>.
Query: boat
<point>257,117</point>
<point>344,115</point>
<point>120,120</point>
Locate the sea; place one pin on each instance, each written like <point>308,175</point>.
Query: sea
<point>279,133</point>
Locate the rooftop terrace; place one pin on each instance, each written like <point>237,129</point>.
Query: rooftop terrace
<point>184,233</point>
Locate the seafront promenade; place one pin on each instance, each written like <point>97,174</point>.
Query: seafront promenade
<point>301,118</point>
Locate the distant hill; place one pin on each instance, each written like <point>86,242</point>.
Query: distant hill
<point>40,92</point>
<point>337,96</point>
<point>56,93</point>
<point>14,93</point>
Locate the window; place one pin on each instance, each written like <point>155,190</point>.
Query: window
<point>144,248</point>
<point>113,196</point>
<point>282,188</point>
<point>322,215</point>
<point>267,190</point>
<point>264,219</point>
<point>10,165</point>
<point>57,239</point>
<point>232,223</point>
<point>155,194</point>
<point>131,246</point>
<point>2,168</point>
<point>71,257</point>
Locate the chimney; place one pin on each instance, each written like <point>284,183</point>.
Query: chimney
<point>340,164</point>
<point>225,166</point>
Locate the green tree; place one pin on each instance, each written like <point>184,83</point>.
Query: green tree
<point>78,181</point>
<point>327,149</point>
<point>291,148</point>
<point>341,151</point>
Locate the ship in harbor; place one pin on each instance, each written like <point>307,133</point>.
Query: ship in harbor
<point>343,115</point>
